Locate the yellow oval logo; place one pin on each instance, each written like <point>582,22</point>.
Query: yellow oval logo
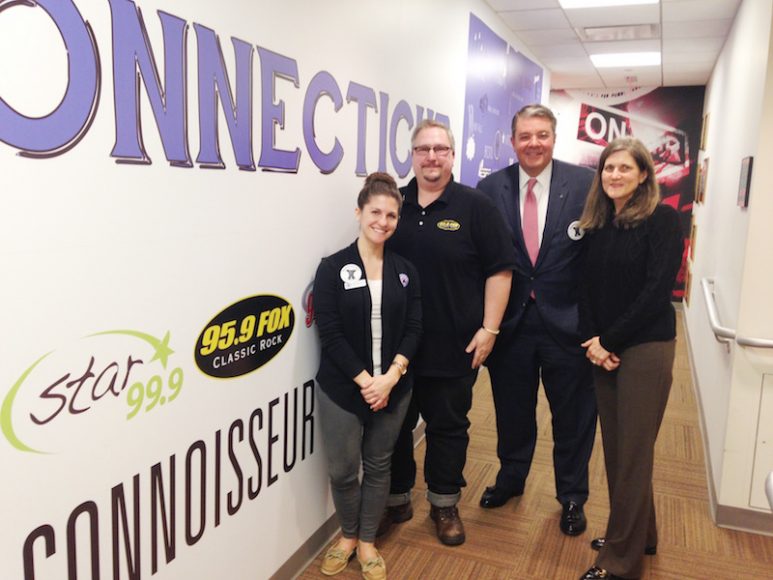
<point>449,225</point>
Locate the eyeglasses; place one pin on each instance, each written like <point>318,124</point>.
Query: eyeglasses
<point>423,150</point>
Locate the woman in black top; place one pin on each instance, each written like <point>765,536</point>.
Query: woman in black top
<point>368,310</point>
<point>633,253</point>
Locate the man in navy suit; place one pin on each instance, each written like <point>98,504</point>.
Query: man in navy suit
<point>542,200</point>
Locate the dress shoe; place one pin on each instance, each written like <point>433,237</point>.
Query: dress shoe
<point>573,522</point>
<point>448,525</point>
<point>495,497</point>
<point>335,560</point>
<point>394,514</point>
<point>599,574</point>
<point>598,543</point>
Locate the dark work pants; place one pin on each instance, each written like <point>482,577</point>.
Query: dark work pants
<point>444,404</point>
<point>515,367</point>
<point>632,401</point>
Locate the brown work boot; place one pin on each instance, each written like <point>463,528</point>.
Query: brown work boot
<point>448,524</point>
<point>394,514</point>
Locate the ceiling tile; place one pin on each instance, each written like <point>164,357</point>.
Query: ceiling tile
<point>645,76</point>
<point>688,10</point>
<point>697,29</point>
<point>623,46</point>
<point>505,5</point>
<point>671,57</point>
<point>688,67</point>
<point>575,81</point>
<point>692,33</point>
<point>574,49</point>
<point>567,65</point>
<point>614,16</point>
<point>682,79</point>
<point>535,19</point>
<point>712,44</point>
<point>550,36</point>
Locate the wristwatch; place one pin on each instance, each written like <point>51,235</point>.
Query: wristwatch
<point>401,366</point>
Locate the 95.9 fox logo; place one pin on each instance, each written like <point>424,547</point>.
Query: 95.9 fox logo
<point>244,336</point>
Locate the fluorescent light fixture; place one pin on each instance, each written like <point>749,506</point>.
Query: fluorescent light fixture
<point>571,4</point>
<point>625,59</point>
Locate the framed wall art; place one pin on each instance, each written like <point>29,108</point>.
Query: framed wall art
<point>704,132</point>
<point>698,194</point>
<point>703,178</point>
<point>745,182</point>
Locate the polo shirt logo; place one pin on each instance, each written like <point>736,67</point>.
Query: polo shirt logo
<point>449,225</point>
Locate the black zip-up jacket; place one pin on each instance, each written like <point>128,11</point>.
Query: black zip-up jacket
<point>342,307</point>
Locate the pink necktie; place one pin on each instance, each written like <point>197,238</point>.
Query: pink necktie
<point>529,222</point>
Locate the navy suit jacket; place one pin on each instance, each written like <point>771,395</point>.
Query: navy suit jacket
<point>554,279</point>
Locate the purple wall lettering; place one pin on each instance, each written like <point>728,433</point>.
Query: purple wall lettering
<point>135,65</point>
<point>213,82</point>
<point>133,59</point>
<point>272,66</point>
<point>364,97</point>
<point>402,112</point>
<point>65,126</point>
<point>323,84</point>
<point>382,130</point>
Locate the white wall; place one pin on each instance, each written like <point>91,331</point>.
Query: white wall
<point>733,247</point>
<point>90,246</point>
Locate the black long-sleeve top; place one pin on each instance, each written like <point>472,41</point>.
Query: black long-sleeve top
<point>342,308</point>
<point>628,276</point>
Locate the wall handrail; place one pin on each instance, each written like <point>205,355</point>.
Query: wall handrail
<point>756,342</point>
<point>723,333</point>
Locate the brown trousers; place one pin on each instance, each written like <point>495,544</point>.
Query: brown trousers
<point>631,402</point>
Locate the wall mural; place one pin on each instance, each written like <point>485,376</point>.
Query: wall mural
<point>500,80</point>
<point>666,119</point>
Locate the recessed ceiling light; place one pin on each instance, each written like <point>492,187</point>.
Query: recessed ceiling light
<point>571,4</point>
<point>624,59</point>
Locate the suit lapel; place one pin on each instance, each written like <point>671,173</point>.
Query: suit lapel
<point>559,193</point>
<point>510,193</point>
<point>508,198</point>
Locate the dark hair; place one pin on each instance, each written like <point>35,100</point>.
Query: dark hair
<point>535,110</point>
<point>644,200</point>
<point>430,123</point>
<point>379,183</point>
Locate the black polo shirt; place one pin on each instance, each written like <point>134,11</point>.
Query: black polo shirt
<point>456,243</point>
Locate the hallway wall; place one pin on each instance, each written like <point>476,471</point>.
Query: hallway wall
<point>172,173</point>
<point>733,247</point>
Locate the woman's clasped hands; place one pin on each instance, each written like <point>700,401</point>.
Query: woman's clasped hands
<point>599,356</point>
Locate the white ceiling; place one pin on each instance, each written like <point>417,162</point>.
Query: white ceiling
<point>688,33</point>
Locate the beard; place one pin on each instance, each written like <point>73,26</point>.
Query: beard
<point>432,174</point>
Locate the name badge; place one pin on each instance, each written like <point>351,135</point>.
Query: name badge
<point>351,275</point>
<point>574,231</point>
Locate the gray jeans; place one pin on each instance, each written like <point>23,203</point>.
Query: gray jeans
<point>350,444</point>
